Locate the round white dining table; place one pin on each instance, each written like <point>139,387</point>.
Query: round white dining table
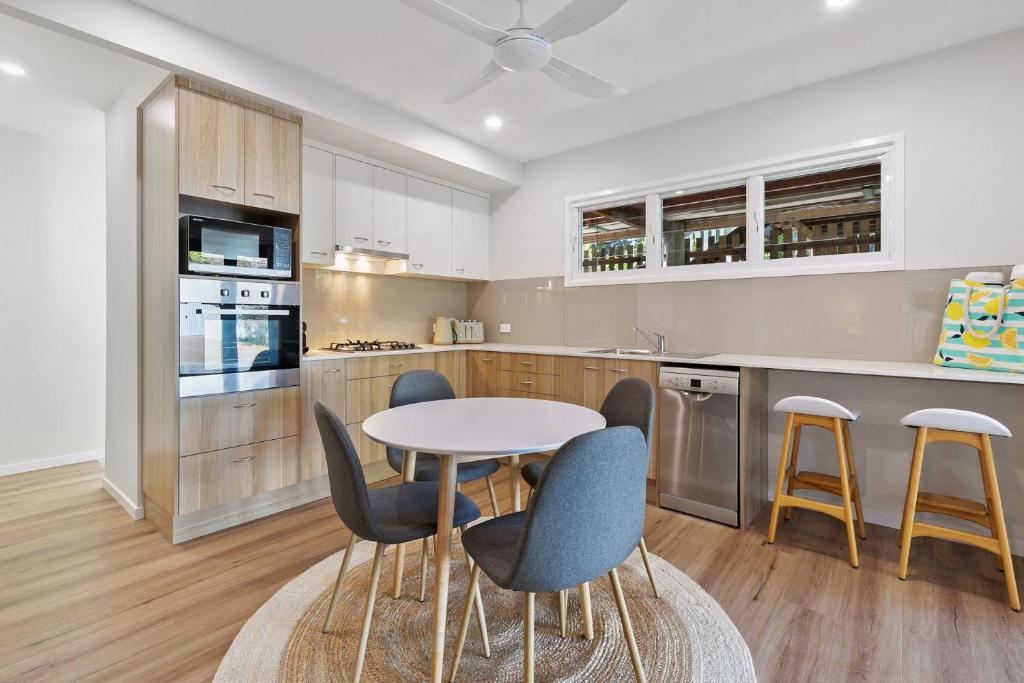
<point>464,430</point>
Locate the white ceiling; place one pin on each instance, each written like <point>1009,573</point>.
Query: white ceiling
<point>68,82</point>
<point>676,57</point>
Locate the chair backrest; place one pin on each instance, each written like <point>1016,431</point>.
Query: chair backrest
<point>587,512</point>
<point>345,474</point>
<point>630,403</point>
<point>416,386</point>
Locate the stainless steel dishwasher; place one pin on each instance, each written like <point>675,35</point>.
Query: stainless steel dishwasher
<point>698,442</point>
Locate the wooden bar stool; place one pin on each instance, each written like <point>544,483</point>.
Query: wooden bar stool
<point>975,430</point>
<point>818,412</point>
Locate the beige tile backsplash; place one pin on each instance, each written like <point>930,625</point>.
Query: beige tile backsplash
<point>338,305</point>
<point>884,316</point>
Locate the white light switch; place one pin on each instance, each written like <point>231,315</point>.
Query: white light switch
<point>505,328</point>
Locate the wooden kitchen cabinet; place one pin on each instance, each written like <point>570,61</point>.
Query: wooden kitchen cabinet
<point>471,236</point>
<point>452,364</point>
<point>366,396</point>
<point>323,381</point>
<point>273,162</point>
<point>429,227</point>
<point>531,382</point>
<point>317,206</point>
<point>210,147</point>
<point>482,370</point>
<point>225,476</point>
<point>582,381</point>
<point>210,423</point>
<point>617,369</point>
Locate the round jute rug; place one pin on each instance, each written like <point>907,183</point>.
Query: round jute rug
<point>683,636</point>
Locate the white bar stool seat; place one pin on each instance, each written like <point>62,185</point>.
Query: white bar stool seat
<point>812,411</point>
<point>956,421</point>
<point>935,425</point>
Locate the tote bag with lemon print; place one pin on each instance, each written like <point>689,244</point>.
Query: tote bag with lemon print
<point>981,327</point>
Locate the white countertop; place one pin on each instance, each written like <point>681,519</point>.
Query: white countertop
<point>877,368</point>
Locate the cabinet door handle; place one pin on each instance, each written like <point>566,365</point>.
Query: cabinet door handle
<point>619,370</point>
<point>460,271</point>
<point>486,360</point>
<point>523,381</point>
<point>224,187</point>
<point>384,243</point>
<point>245,405</point>
<point>591,367</point>
<point>327,372</point>
<point>526,362</point>
<point>395,365</point>
<point>251,457</point>
<point>416,266</point>
<point>319,253</point>
<point>357,238</point>
<point>262,194</point>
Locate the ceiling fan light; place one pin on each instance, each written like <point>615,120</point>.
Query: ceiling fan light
<point>522,53</point>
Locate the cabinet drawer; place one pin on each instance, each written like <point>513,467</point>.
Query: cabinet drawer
<point>380,366</point>
<point>364,397</point>
<point>530,362</point>
<point>212,423</point>
<point>546,385</point>
<point>210,479</point>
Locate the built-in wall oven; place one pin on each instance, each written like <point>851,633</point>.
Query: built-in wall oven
<point>215,246</point>
<point>237,336</point>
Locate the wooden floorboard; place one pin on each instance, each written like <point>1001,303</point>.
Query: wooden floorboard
<point>88,594</point>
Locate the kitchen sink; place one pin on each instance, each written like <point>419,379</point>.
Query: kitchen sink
<point>624,352</point>
<point>668,355</point>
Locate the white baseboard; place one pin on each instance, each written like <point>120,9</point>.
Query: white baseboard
<point>136,511</point>
<point>46,463</point>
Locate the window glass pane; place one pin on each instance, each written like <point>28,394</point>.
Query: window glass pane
<point>613,238</point>
<point>707,226</point>
<point>835,211</point>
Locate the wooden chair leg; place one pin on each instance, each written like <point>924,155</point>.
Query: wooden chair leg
<point>528,600</point>
<point>494,497</point>
<point>647,566</point>
<point>786,437</point>
<point>851,461</point>
<point>467,611</point>
<point>988,504</point>
<point>424,559</point>
<point>1000,523</point>
<point>791,470</point>
<point>342,570</point>
<point>481,617</point>
<point>588,615</point>
<point>844,483</point>
<point>371,597</point>
<point>514,482</point>
<point>563,608</point>
<point>910,505</point>
<point>627,628</point>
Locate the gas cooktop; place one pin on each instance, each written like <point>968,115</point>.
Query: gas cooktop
<point>363,345</point>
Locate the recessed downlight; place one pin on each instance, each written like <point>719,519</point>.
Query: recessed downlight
<point>838,4</point>
<point>11,69</point>
<point>493,123</point>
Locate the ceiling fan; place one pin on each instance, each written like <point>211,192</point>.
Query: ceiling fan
<point>524,48</point>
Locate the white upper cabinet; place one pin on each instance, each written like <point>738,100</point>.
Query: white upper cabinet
<point>353,203</point>
<point>317,206</point>
<point>388,210</point>
<point>471,236</point>
<point>429,212</point>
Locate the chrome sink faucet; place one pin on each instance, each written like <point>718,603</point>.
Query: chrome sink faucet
<point>658,342</point>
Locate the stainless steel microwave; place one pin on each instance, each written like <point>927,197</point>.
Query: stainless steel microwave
<point>214,246</point>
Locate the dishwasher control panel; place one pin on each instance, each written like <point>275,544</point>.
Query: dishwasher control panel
<point>703,381</point>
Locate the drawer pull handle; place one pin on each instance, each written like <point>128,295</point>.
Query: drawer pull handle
<point>395,365</point>
<point>619,370</point>
<point>330,371</point>
<point>591,367</point>
<point>251,457</point>
<point>526,362</point>
<point>319,253</point>
<point>245,405</point>
<point>523,381</point>
<point>486,360</point>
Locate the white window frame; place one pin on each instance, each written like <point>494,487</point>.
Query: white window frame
<point>888,148</point>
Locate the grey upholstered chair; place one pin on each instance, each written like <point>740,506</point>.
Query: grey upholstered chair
<point>629,403</point>
<point>585,517</point>
<point>386,516</point>
<point>418,386</point>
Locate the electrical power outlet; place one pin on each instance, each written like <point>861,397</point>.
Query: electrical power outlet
<point>505,328</point>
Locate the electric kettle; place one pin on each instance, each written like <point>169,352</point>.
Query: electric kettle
<point>444,330</point>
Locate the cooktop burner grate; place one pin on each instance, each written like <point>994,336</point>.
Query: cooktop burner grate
<point>357,345</point>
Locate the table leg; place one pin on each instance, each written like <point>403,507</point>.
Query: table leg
<point>445,515</point>
<point>408,474</point>
<point>514,482</point>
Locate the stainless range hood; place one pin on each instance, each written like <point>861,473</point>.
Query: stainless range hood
<point>371,253</point>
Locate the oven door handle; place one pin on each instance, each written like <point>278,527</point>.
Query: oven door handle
<point>221,314</point>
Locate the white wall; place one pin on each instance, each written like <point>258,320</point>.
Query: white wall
<point>52,326</point>
<point>122,475</point>
<point>960,109</point>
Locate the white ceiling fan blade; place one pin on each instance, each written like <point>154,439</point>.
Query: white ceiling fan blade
<point>579,81</point>
<point>457,20</point>
<point>488,74</point>
<point>577,17</point>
